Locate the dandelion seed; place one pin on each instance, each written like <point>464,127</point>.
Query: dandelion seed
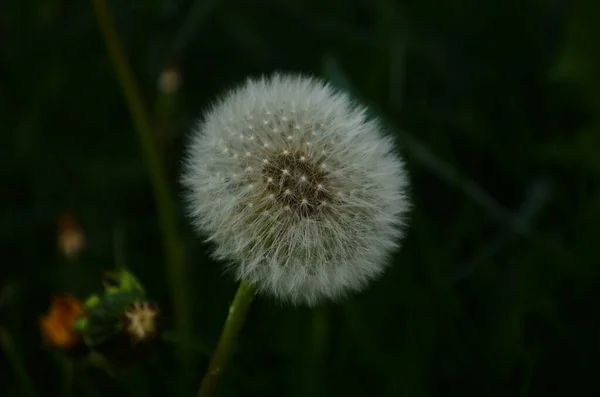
<point>319,243</point>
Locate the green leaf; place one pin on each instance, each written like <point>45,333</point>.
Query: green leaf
<point>106,319</point>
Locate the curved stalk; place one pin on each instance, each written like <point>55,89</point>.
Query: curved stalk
<point>227,341</point>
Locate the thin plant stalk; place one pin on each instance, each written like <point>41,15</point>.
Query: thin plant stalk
<point>227,341</point>
<point>162,193</point>
<point>7,345</point>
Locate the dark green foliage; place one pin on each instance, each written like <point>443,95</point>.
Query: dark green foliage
<point>107,317</point>
<point>496,105</point>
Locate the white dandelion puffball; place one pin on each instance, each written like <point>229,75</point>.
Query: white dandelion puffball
<point>302,195</point>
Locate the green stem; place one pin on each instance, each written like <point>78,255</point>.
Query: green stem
<point>164,200</point>
<point>235,320</point>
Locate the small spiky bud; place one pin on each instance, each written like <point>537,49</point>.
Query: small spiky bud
<point>302,194</point>
<point>141,321</point>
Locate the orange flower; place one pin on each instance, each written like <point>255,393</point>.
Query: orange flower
<point>57,326</point>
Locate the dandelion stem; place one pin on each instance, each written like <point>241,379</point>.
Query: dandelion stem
<point>235,320</point>
<point>164,199</point>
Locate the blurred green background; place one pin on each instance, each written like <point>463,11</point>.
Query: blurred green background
<point>496,105</point>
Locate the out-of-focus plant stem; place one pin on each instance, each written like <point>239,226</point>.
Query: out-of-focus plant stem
<point>164,199</point>
<point>67,381</point>
<point>6,345</point>
<point>187,344</point>
<point>228,339</point>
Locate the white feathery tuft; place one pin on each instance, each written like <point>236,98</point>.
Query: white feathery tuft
<point>302,194</point>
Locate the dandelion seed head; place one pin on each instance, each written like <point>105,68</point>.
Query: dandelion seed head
<point>294,234</point>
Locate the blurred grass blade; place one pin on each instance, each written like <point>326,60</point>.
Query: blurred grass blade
<point>68,376</point>
<point>320,343</point>
<point>15,362</point>
<point>165,203</point>
<point>314,351</point>
<point>186,343</point>
<point>119,255</point>
<point>536,200</point>
<point>8,293</point>
<point>436,165</point>
<point>368,348</point>
<point>397,71</point>
<point>199,12</point>
<point>247,37</point>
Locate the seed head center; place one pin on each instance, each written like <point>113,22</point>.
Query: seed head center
<point>296,182</point>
